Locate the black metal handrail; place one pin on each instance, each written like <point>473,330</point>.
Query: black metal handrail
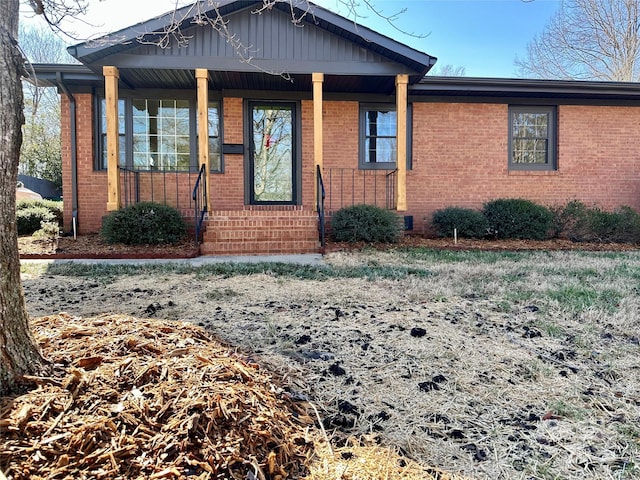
<point>391,182</point>
<point>320,192</point>
<point>199,198</point>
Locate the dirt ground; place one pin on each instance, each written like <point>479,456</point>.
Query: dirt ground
<point>433,365</point>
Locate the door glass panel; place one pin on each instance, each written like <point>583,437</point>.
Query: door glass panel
<point>272,153</point>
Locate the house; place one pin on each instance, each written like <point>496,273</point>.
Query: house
<point>246,132</point>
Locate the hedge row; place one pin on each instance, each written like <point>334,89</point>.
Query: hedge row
<point>524,219</point>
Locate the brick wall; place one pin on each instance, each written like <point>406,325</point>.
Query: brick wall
<point>227,190</point>
<point>460,158</point>
<point>346,184</point>
<point>92,185</point>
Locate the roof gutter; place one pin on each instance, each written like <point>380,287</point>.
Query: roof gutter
<point>74,149</point>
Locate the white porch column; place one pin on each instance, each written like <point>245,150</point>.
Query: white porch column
<point>401,138</point>
<point>202,79</point>
<point>317,79</point>
<point>111,76</point>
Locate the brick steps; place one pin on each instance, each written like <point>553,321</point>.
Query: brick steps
<point>260,232</point>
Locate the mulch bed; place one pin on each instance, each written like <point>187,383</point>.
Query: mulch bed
<point>91,246</point>
<point>132,398</point>
<point>487,245</point>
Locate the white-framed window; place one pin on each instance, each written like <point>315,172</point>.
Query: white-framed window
<point>159,134</point>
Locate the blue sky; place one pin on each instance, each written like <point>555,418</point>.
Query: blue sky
<point>484,36</point>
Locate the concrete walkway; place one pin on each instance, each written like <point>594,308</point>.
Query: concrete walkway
<point>301,259</point>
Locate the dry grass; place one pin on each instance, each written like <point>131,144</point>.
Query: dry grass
<point>494,365</point>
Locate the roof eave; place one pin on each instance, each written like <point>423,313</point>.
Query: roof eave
<point>460,86</point>
<point>51,74</point>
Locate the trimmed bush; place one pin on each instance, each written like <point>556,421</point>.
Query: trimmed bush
<point>54,206</point>
<point>518,218</point>
<point>580,223</point>
<point>365,223</point>
<point>469,223</point>
<point>29,220</point>
<point>145,223</point>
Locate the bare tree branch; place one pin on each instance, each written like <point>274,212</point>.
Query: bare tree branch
<point>587,40</point>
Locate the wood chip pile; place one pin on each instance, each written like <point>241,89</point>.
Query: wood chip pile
<point>132,399</point>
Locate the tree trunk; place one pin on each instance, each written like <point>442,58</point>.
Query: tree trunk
<point>19,353</point>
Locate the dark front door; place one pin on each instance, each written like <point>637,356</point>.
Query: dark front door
<point>272,157</point>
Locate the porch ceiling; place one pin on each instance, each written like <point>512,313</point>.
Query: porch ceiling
<point>223,80</point>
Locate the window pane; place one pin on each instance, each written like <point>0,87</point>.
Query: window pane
<point>102,163</point>
<point>529,151</point>
<point>161,131</point>
<point>214,155</point>
<point>378,141</point>
<point>214,121</point>
<point>380,150</point>
<point>530,138</point>
<point>380,123</point>
<point>214,136</point>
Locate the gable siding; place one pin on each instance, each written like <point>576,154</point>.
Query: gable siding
<point>273,42</point>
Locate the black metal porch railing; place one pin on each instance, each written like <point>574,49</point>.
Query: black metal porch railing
<point>169,187</point>
<point>352,186</point>
<point>320,197</point>
<point>199,198</point>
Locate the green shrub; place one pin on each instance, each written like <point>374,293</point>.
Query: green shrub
<point>518,218</point>
<point>30,219</point>
<point>144,223</point>
<point>568,219</point>
<point>54,206</point>
<point>580,223</point>
<point>628,229</point>
<point>48,231</point>
<point>469,223</point>
<point>366,223</point>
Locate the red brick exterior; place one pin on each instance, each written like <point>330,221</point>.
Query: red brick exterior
<point>460,154</point>
<point>459,159</point>
<point>92,185</point>
<point>261,230</point>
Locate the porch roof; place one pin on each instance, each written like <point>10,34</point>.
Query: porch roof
<point>510,90</point>
<point>352,57</point>
<point>438,89</point>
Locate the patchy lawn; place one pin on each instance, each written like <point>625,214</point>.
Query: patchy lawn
<point>490,364</point>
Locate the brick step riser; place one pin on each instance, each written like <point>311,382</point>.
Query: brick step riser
<point>238,233</point>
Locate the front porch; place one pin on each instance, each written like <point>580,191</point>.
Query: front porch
<point>257,229</point>
<point>275,145</point>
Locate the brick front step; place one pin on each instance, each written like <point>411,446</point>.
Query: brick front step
<point>259,232</point>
